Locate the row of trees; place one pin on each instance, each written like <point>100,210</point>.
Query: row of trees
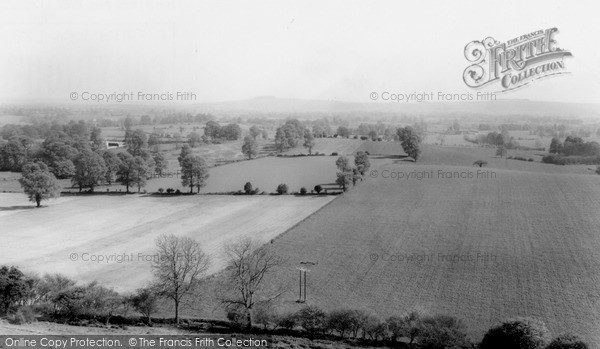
<point>348,174</point>
<point>574,146</point>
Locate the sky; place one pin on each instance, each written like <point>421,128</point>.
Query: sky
<point>235,50</point>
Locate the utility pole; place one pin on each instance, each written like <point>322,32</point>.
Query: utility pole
<point>302,288</point>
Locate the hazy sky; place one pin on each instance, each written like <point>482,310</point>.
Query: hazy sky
<point>230,50</point>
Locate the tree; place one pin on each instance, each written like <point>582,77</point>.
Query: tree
<point>318,188</point>
<point>14,287</point>
<point>410,141</point>
<point>90,170</point>
<point>247,266</point>
<point>145,300</point>
<point>185,151</point>
<point>501,151</point>
<point>112,162</point>
<point>567,341</point>
<point>13,156</point>
<point>344,179</point>
<point>194,139</point>
<point>340,321</point>
<point>231,132</point>
<point>248,188</point>
<point>178,270</point>
<point>136,142</point>
<point>132,171</point>
<point>309,141</point>
<point>194,172</point>
<point>521,333</point>
<point>343,131</point>
<point>361,160</point>
<point>254,131</point>
<point>142,170</point>
<point>154,141</point>
<point>342,163</point>
<point>250,147</point>
<point>96,139</point>
<point>282,189</point>
<point>212,129</point>
<point>373,135</point>
<point>441,332</point>
<point>480,163</point>
<point>312,319</point>
<point>38,183</point>
<point>160,163</point>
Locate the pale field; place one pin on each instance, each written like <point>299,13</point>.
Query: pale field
<point>41,240</point>
<point>532,231</point>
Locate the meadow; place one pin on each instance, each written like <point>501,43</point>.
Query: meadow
<point>96,227</point>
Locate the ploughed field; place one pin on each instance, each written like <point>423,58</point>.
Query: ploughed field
<point>111,238</point>
<point>524,241</point>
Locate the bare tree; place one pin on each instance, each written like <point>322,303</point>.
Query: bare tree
<point>247,265</point>
<point>179,266</point>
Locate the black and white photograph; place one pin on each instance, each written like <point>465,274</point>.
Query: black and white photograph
<point>299,174</point>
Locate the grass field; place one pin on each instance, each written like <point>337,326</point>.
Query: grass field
<point>342,146</point>
<point>42,240</point>
<point>528,238</point>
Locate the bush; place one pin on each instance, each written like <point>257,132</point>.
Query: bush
<point>318,189</point>
<point>177,192</point>
<point>530,160</point>
<point>522,333</point>
<point>161,190</point>
<point>237,317</point>
<point>303,191</point>
<point>287,321</point>
<point>265,315</point>
<point>23,315</point>
<point>567,341</point>
<point>443,331</point>
<point>334,154</point>
<point>343,321</point>
<point>312,319</point>
<point>248,188</point>
<point>282,189</point>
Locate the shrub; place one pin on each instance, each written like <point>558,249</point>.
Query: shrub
<point>521,333</point>
<point>248,188</point>
<point>443,331</point>
<point>311,318</point>
<point>265,315</point>
<point>161,190</point>
<point>282,189</point>
<point>177,192</point>
<point>530,159</point>
<point>334,154</point>
<point>287,321</point>
<point>318,189</point>
<point>341,321</point>
<point>373,327</point>
<point>237,317</point>
<point>567,341</point>
<point>303,191</point>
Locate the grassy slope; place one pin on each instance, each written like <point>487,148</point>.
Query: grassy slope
<point>540,222</point>
<point>41,240</point>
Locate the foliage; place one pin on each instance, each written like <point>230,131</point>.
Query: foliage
<point>38,183</point>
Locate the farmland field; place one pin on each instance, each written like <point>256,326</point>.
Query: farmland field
<point>527,240</point>
<point>342,146</point>
<point>42,240</point>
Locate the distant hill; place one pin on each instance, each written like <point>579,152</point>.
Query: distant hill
<point>499,107</point>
